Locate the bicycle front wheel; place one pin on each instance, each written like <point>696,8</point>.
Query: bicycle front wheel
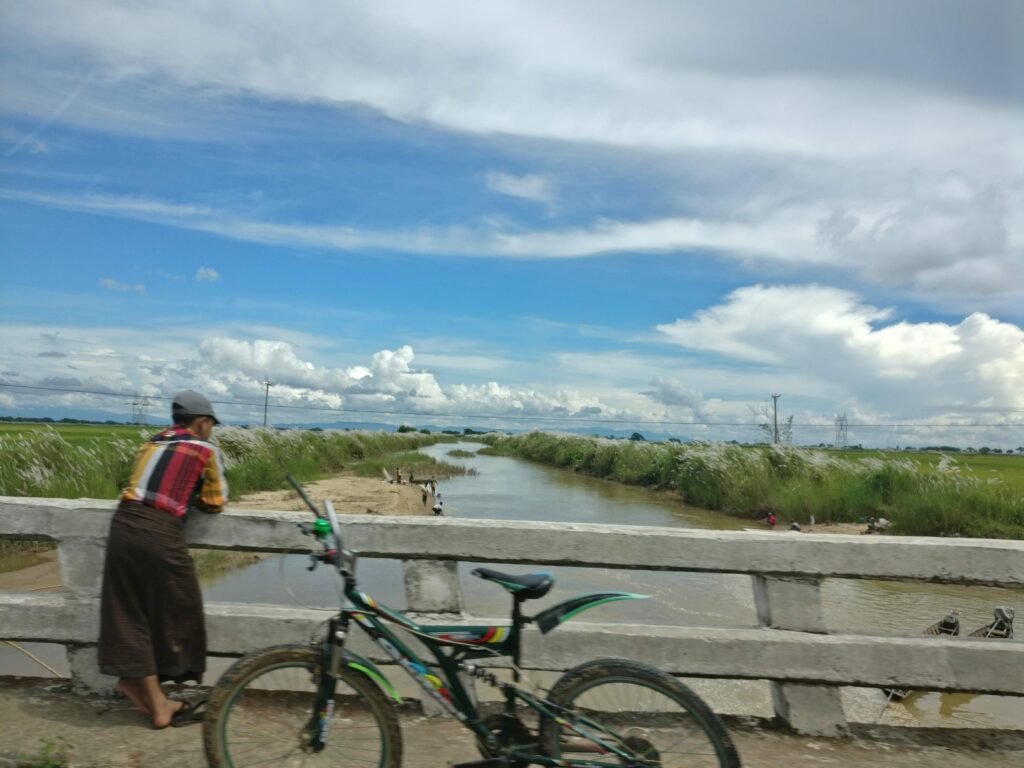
<point>259,711</point>
<point>646,713</point>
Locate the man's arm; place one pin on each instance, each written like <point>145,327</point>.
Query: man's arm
<point>214,493</point>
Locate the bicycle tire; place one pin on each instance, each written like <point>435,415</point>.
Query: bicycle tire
<point>671,727</point>
<point>267,697</point>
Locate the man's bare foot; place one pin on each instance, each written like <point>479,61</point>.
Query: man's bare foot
<point>133,691</point>
<point>165,711</point>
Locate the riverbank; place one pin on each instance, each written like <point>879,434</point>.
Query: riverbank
<point>943,498</point>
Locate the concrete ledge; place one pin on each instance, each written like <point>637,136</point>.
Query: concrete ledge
<point>952,561</point>
<point>925,663</point>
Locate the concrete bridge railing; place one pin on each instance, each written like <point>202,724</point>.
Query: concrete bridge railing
<point>792,647</point>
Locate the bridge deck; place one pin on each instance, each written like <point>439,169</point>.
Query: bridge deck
<point>107,732</point>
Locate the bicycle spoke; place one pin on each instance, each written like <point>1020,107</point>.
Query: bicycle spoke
<point>645,720</point>
<point>268,716</point>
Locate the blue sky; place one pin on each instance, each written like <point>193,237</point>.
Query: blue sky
<point>656,213</point>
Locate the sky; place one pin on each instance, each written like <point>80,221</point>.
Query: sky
<point>572,215</point>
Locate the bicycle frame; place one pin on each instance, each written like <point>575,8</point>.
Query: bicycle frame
<point>451,646</point>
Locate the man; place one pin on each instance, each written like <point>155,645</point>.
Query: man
<point>151,614</point>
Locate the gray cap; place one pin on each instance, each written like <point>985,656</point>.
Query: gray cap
<point>191,403</point>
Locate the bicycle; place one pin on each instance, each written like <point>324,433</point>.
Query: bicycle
<point>321,704</point>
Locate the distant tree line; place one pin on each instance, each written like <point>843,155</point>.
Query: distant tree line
<point>48,420</point>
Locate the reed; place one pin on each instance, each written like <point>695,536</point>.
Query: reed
<point>921,497</point>
<point>43,462</point>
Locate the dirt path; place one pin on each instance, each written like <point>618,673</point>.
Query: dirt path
<point>107,733</point>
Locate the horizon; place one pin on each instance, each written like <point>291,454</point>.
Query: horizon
<point>593,216</point>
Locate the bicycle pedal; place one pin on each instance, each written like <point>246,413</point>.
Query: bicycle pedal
<point>490,762</point>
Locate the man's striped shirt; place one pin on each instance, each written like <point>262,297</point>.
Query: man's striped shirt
<point>176,469</point>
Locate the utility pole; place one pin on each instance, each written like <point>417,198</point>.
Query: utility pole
<point>775,417</point>
<point>266,398</point>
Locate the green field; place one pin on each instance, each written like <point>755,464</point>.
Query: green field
<point>77,433</point>
<point>1003,468</point>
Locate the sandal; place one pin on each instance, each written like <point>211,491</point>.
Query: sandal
<point>189,714</point>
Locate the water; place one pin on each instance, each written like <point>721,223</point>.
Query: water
<point>510,489</point>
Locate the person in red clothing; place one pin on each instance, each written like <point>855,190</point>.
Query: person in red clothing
<point>151,610</point>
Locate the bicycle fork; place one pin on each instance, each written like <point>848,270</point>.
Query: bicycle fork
<point>330,666</point>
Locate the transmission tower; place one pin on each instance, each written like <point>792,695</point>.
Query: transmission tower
<point>841,434</point>
<point>139,407</point>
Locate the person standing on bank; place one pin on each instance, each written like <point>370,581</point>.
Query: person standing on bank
<point>151,611</point>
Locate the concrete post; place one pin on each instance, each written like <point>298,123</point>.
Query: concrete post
<point>795,604</point>
<point>432,586</point>
<point>81,566</point>
<point>85,671</point>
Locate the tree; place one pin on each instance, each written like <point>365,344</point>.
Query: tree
<point>406,428</point>
<point>636,436</point>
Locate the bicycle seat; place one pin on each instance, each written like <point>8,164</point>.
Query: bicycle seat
<point>526,587</point>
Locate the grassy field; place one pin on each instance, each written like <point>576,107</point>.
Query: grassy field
<point>94,461</point>
<point>924,495</point>
<point>1002,468</point>
<point>77,433</point>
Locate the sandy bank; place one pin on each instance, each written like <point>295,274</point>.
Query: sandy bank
<point>351,496</point>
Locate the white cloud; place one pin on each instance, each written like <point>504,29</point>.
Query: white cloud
<point>968,373</point>
<point>949,241</point>
<point>235,369</point>
<point>655,78</point>
<point>902,165</point>
<point>114,285</point>
<point>207,275</point>
<point>860,354</point>
<point>532,186</point>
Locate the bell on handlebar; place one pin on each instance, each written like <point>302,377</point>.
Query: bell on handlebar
<point>322,527</point>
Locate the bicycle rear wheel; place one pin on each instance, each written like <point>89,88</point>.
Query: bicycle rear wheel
<point>259,710</point>
<point>650,714</point>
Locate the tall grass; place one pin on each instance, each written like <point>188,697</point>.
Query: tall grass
<point>43,463</point>
<point>795,483</point>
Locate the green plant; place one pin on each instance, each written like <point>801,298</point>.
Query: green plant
<point>51,754</point>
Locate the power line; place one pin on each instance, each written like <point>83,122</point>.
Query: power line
<point>511,417</point>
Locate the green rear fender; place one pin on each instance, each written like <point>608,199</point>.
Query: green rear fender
<point>366,667</point>
<point>551,617</point>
